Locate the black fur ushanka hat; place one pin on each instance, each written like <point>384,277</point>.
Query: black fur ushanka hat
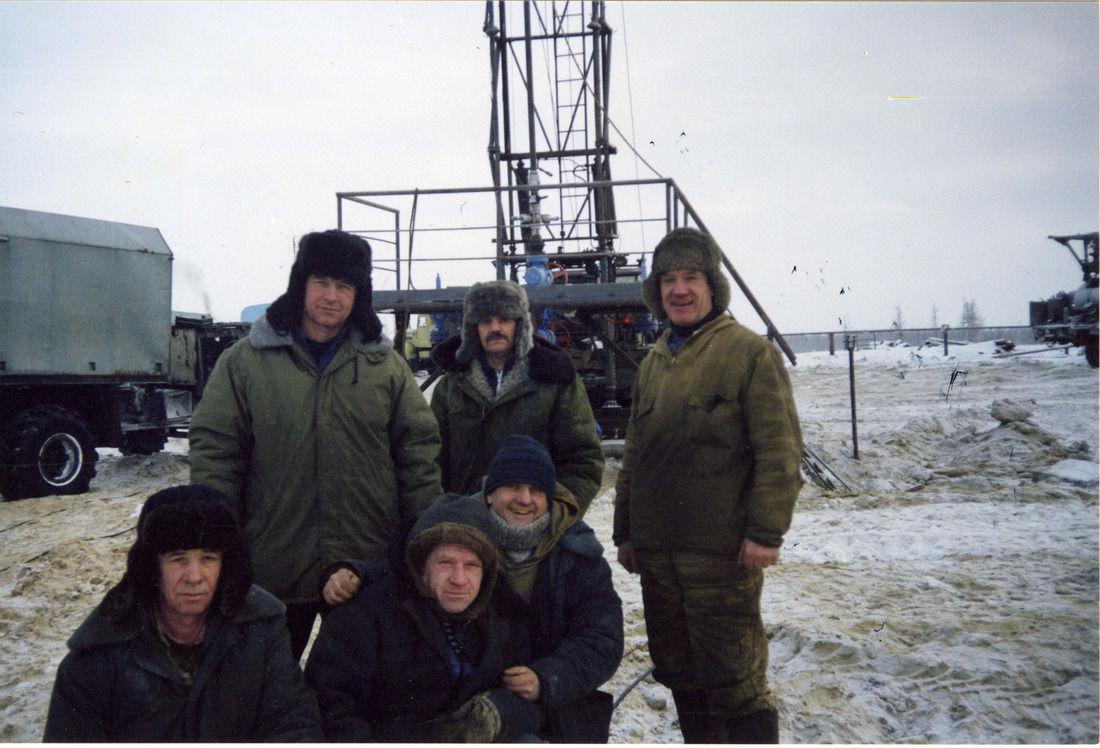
<point>183,518</point>
<point>332,254</point>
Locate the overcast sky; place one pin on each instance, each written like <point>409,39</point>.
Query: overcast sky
<point>915,155</point>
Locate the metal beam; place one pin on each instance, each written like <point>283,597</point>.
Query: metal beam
<point>607,297</point>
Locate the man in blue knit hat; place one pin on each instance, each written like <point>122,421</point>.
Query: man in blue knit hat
<point>558,595</point>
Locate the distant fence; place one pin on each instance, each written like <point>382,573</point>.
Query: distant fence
<point>807,342</point>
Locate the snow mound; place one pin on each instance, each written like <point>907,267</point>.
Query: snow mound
<point>1076,472</point>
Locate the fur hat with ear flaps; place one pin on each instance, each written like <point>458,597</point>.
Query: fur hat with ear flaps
<point>686,248</point>
<point>183,518</point>
<point>461,520</point>
<point>500,298</point>
<point>332,254</point>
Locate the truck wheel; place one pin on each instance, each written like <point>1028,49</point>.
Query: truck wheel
<point>144,442</point>
<point>1091,353</point>
<point>47,451</point>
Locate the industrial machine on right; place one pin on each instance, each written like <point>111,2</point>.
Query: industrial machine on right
<point>1070,317</point>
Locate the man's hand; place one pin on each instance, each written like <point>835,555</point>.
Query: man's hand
<point>626,557</point>
<point>341,586</point>
<point>756,556</point>
<point>522,681</point>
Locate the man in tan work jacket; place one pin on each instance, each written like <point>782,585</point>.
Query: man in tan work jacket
<point>708,484</point>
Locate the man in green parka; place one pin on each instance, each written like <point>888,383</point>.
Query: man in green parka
<point>501,380</point>
<point>317,432</point>
<point>710,474</point>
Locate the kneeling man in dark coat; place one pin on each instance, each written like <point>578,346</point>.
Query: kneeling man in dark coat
<point>417,655</point>
<point>185,648</point>
<point>557,594</point>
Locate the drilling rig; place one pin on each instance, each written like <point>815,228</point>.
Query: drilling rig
<point>553,217</point>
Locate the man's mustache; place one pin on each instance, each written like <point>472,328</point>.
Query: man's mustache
<point>495,335</point>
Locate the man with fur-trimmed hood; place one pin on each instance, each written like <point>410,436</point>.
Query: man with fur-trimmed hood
<point>500,380</point>
<point>317,432</point>
<point>710,474</point>
<point>418,653</point>
<point>185,648</point>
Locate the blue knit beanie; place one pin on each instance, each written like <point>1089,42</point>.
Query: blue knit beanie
<point>522,459</point>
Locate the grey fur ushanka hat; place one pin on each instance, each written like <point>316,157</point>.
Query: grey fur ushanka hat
<point>686,248</point>
<point>501,298</point>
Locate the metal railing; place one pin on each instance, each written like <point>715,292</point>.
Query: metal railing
<point>462,232</point>
<point>808,342</point>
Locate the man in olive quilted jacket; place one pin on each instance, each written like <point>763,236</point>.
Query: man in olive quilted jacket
<point>710,474</point>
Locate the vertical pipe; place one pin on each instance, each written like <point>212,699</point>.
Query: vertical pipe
<point>597,63</point>
<point>850,343</point>
<point>400,319</point>
<point>500,49</point>
<point>505,93</point>
<point>530,82</point>
<point>611,376</point>
<point>397,248</point>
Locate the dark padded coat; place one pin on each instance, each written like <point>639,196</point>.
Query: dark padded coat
<point>117,683</point>
<point>382,668</point>
<point>542,397</point>
<point>574,622</point>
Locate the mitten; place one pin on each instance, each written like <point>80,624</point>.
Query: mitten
<point>476,721</point>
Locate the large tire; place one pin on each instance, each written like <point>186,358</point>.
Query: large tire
<point>47,451</point>
<point>144,442</point>
<point>1092,353</point>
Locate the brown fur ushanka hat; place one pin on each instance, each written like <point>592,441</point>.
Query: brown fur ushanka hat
<point>691,249</point>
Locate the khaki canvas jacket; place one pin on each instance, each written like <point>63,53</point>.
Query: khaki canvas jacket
<point>713,447</point>
<point>321,465</point>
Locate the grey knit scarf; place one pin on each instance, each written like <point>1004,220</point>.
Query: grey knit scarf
<point>518,542</point>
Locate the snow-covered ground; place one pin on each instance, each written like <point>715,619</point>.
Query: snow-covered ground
<point>948,594</point>
<point>951,594</point>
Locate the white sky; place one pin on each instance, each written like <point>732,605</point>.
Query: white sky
<point>231,126</point>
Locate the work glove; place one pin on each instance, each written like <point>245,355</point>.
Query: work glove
<point>476,721</point>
